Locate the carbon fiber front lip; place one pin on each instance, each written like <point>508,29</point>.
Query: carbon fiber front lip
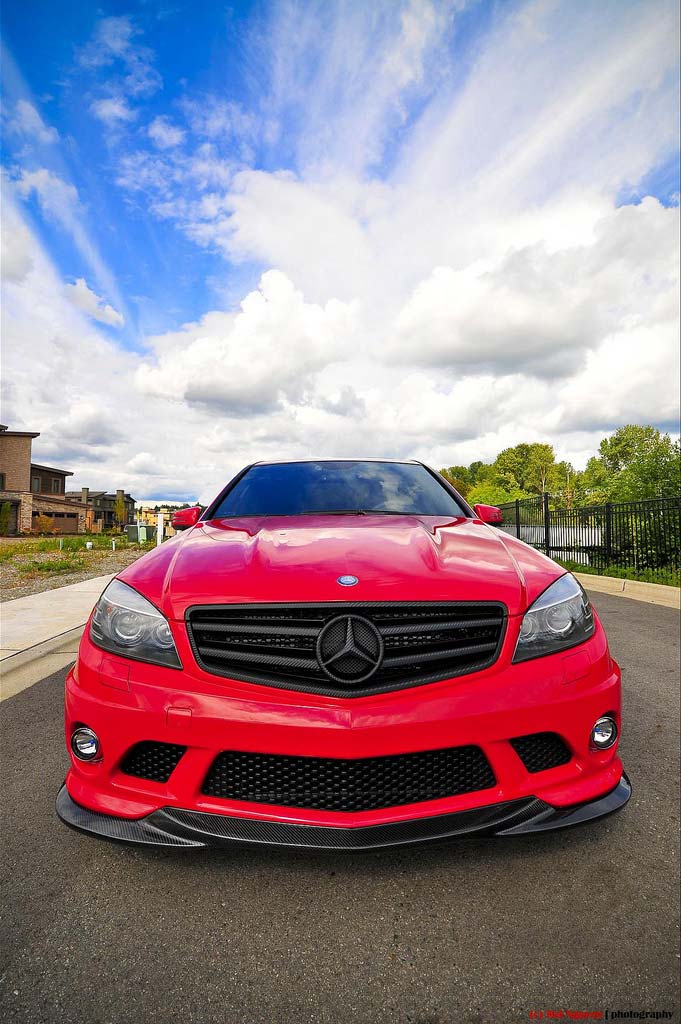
<point>177,827</point>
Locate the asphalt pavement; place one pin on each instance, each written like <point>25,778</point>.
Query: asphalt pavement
<point>476,931</point>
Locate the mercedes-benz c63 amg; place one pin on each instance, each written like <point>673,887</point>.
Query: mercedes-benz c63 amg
<point>340,654</point>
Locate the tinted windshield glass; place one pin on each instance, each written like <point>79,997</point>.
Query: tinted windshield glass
<point>299,488</point>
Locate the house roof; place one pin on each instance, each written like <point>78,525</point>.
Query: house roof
<point>17,433</point>
<point>51,469</point>
<point>103,494</point>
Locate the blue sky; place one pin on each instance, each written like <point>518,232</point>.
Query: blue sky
<point>276,228</point>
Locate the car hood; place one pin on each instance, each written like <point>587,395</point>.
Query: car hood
<point>395,558</point>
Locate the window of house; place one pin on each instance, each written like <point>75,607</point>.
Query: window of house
<point>56,486</point>
<point>2,481</point>
<point>35,485</point>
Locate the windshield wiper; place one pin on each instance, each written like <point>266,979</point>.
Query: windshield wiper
<point>390,512</point>
<point>360,512</point>
<point>332,512</point>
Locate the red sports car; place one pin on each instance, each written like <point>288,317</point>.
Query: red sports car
<point>342,655</point>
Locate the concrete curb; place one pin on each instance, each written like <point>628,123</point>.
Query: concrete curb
<point>23,669</point>
<point>651,593</point>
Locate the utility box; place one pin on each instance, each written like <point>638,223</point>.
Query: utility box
<point>140,534</point>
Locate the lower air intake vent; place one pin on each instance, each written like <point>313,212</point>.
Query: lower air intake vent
<point>541,750</point>
<point>352,784</point>
<point>155,761</point>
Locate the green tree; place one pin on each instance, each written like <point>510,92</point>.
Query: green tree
<point>474,470</point>
<point>530,468</point>
<point>459,477</point>
<point>510,467</point>
<point>596,482</point>
<point>638,462</point>
<point>567,483</point>
<point>120,511</point>
<point>489,493</point>
<point>540,471</point>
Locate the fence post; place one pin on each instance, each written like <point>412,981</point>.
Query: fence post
<point>547,523</point>
<point>608,533</point>
<point>517,518</point>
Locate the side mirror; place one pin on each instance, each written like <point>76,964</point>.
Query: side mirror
<point>489,514</point>
<point>185,518</point>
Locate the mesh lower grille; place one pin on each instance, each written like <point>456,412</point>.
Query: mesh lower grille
<point>155,761</point>
<point>541,750</point>
<point>352,784</point>
<point>391,645</point>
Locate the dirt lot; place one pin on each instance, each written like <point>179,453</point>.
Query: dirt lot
<point>29,566</point>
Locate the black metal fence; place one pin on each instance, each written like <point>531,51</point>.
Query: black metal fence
<point>631,535</point>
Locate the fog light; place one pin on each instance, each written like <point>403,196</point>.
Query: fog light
<point>84,744</point>
<point>604,733</point>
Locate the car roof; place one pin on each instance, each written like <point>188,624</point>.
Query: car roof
<point>327,458</point>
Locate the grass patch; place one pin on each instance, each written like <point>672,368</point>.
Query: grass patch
<point>668,577</point>
<point>78,543</point>
<point>51,566</point>
<point>17,550</point>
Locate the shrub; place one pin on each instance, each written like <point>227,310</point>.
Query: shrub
<point>43,524</point>
<point>669,577</point>
<point>5,511</point>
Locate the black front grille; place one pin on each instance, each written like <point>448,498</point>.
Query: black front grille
<point>414,643</point>
<point>541,750</point>
<point>155,761</point>
<point>348,784</point>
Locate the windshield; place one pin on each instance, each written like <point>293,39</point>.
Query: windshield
<point>303,488</point>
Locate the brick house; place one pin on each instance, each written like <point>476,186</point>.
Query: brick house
<point>103,506</point>
<point>33,490</point>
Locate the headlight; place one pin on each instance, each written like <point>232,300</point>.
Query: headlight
<point>560,618</point>
<point>126,623</point>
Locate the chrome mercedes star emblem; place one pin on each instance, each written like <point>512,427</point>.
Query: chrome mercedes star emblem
<point>349,649</point>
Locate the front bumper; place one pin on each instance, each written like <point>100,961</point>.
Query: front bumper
<point>129,702</point>
<point>176,827</point>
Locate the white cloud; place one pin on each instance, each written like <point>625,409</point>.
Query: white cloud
<point>540,312</point>
<point>27,121</point>
<point>164,134</point>
<point>346,71</point>
<point>92,304</point>
<point>111,40</point>
<point>113,110</point>
<point>16,260</point>
<point>59,200</point>
<point>249,362</point>
<point>447,271</point>
<point>131,71</point>
<point>57,197</point>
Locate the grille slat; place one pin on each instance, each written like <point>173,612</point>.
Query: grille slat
<point>277,644</point>
<point>348,784</point>
<point>241,628</point>
<point>393,661</point>
<point>258,658</point>
<point>432,627</point>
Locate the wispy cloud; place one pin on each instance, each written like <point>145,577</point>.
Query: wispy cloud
<point>93,304</point>
<point>26,121</point>
<point>113,110</point>
<point>129,65</point>
<point>164,134</point>
<point>59,201</point>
